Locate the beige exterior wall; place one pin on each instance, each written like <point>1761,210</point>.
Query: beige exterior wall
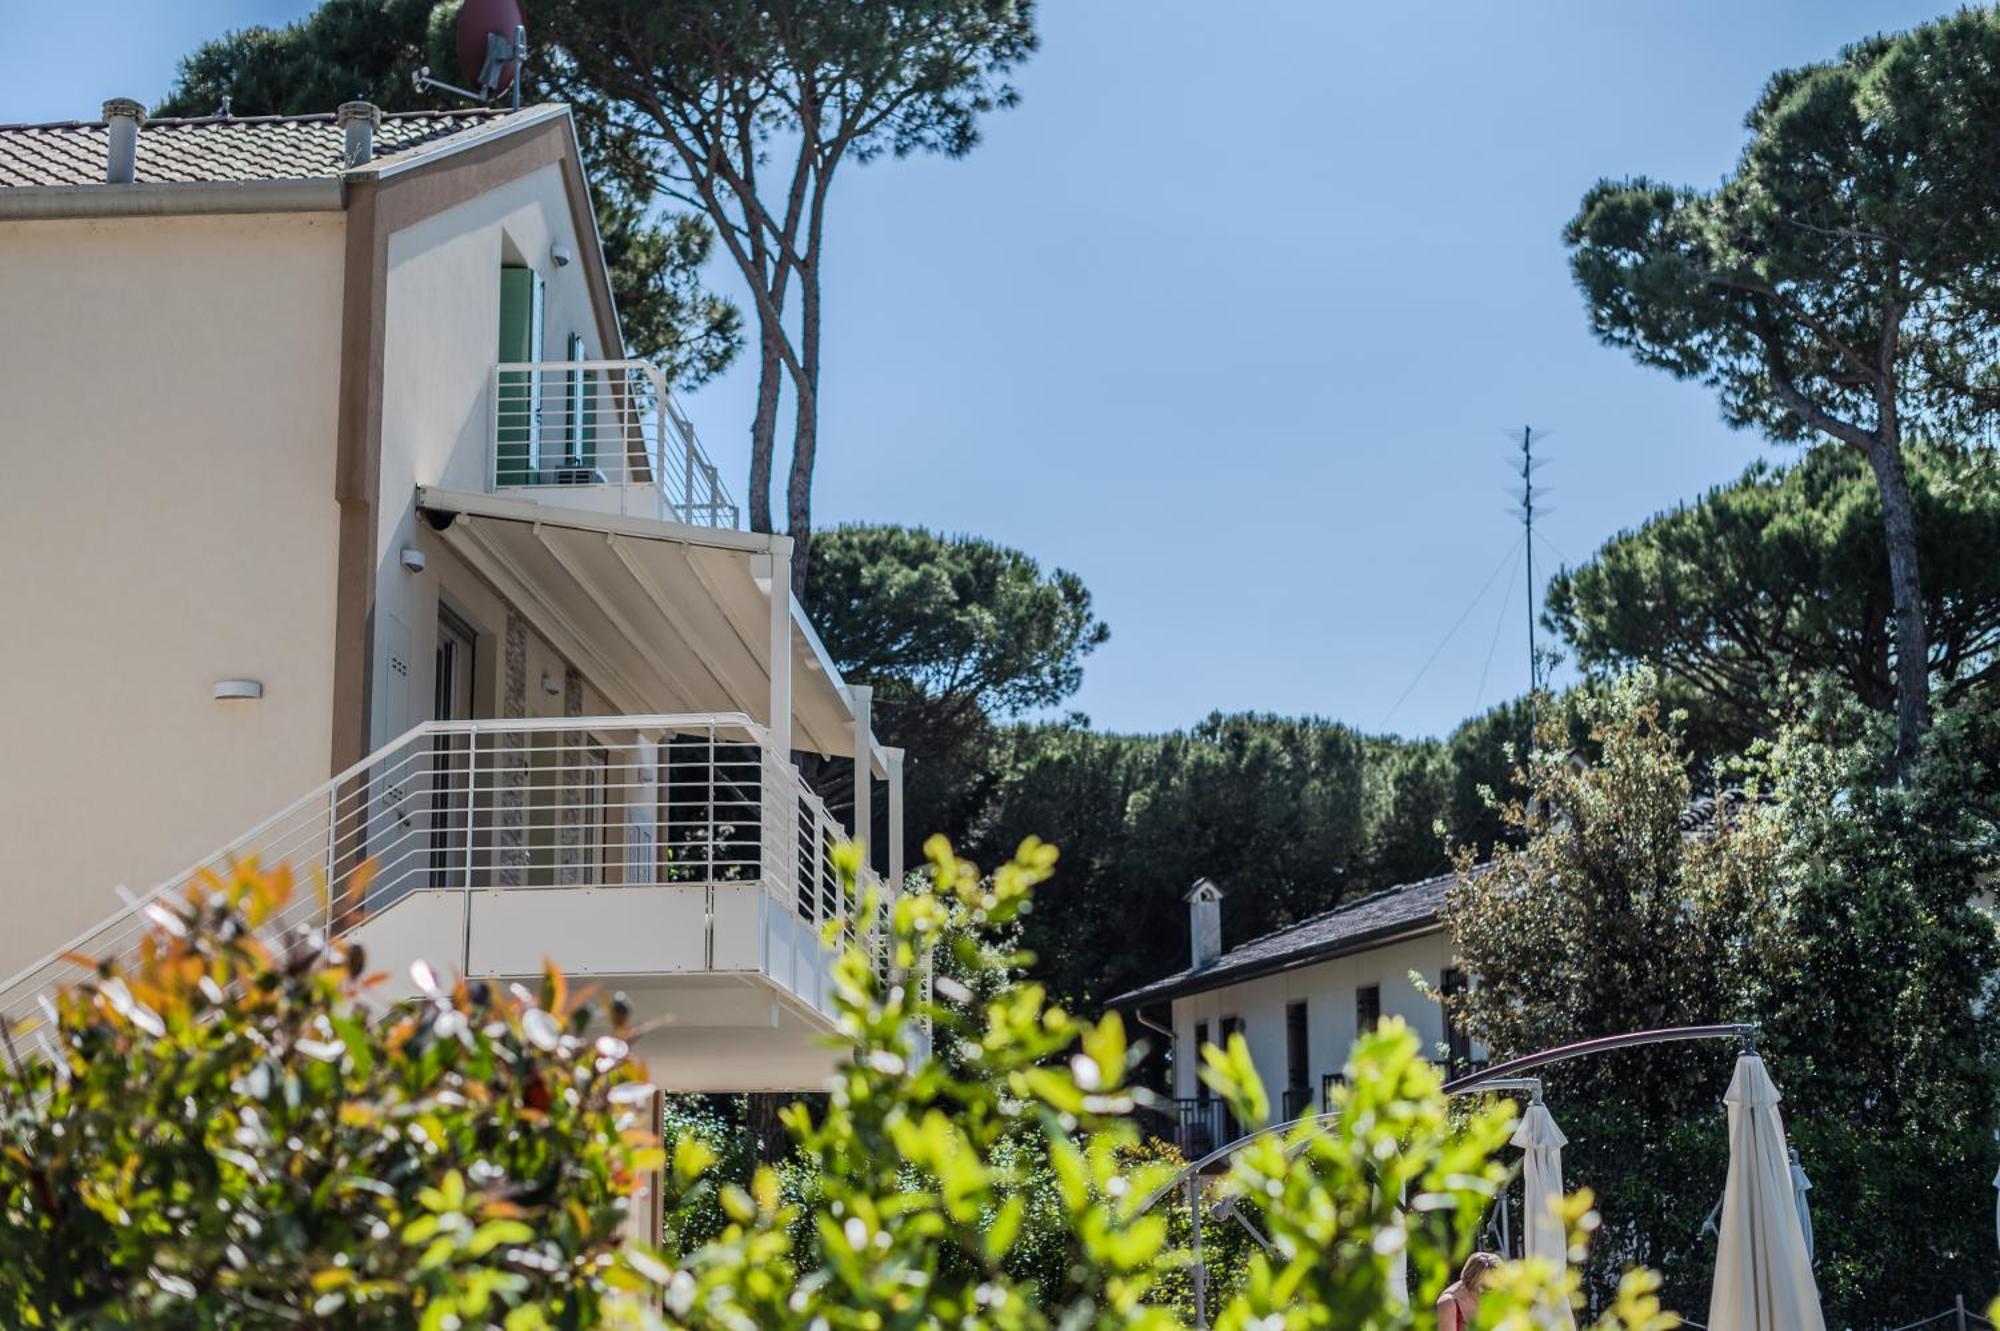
<point>167,521</point>
<point>441,333</point>
<point>1328,990</point>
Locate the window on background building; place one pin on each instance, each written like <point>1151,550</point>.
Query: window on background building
<point>1457,1044</point>
<point>1230,1130</point>
<point>1367,1008</point>
<point>1298,1059</point>
<point>1296,1047</point>
<point>1194,1060</point>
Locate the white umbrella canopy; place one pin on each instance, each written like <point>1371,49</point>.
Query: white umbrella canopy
<point>1541,1142</point>
<point>1763,1276</point>
<point>1801,1185</point>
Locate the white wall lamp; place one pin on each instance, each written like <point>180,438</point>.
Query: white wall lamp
<point>561,254</point>
<point>412,559</point>
<point>239,690</point>
<point>550,684</point>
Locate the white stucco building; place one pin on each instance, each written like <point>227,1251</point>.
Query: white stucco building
<point>1300,996</point>
<point>340,530</point>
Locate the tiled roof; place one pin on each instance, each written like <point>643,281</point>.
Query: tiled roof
<point>215,149</point>
<point>1705,816</point>
<point>1346,928</point>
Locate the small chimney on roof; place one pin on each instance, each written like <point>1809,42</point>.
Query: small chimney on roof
<point>359,120</point>
<point>1205,922</point>
<point>122,118</point>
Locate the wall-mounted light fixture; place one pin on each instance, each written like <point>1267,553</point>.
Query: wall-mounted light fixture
<point>561,254</point>
<point>239,690</point>
<point>412,559</point>
<point>550,684</point>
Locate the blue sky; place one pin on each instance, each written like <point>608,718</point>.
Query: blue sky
<point>1233,316</point>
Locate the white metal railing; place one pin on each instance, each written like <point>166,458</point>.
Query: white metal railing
<point>606,802</point>
<point>608,433</point>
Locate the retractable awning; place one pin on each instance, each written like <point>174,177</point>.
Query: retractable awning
<point>664,617</point>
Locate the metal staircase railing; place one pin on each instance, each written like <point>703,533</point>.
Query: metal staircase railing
<point>558,802</point>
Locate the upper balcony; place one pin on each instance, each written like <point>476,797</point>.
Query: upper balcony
<point>679,859</point>
<point>600,435</point>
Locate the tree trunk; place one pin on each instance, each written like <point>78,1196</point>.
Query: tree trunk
<point>1899,527</point>
<point>805,433</point>
<point>798,495</point>
<point>764,425</point>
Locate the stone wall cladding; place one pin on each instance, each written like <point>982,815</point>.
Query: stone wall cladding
<point>511,778</point>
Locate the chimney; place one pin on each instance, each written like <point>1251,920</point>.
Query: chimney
<point>1205,922</point>
<point>360,120</point>
<point>122,118</point>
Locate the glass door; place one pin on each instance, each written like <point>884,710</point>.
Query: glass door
<point>451,754</point>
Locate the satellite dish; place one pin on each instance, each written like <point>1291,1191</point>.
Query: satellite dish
<point>487,59</point>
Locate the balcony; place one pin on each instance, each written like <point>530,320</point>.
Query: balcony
<point>600,435</point>
<point>679,859</point>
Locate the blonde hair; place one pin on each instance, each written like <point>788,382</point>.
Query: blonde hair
<point>1473,1274</point>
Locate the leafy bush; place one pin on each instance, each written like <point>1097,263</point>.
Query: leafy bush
<point>1834,910</point>
<point>226,1135</point>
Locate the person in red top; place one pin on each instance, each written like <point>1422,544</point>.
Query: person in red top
<point>1460,1300</point>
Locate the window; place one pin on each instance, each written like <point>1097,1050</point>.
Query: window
<point>1230,1129</point>
<point>594,810</point>
<point>1457,1044</point>
<point>580,416</point>
<point>1367,1008</point>
<point>1194,1060</point>
<point>1297,1055</point>
<point>517,415</point>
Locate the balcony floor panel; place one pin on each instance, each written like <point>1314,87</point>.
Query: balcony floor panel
<point>672,949</point>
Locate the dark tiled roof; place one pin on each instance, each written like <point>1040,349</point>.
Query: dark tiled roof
<point>1707,815</point>
<point>216,149</point>
<point>1350,927</point>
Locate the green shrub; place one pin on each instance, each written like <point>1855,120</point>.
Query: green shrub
<point>227,1136</point>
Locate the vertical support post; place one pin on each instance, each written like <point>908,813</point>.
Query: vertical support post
<point>493,412</point>
<point>896,866</point>
<point>520,62</point>
<point>862,699</point>
<point>332,855</point>
<point>687,467</point>
<point>1958,1310</point>
<point>471,840</point>
<point>780,718</point>
<point>712,852</point>
<point>1197,1271</point>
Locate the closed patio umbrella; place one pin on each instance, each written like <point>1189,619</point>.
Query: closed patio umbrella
<point>1763,1276</point>
<point>1541,1142</point>
<point>1801,1185</point>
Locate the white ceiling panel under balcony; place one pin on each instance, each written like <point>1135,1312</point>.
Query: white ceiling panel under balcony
<point>662,616</point>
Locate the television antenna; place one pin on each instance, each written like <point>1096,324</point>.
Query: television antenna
<point>492,38</point>
<point>1525,468</point>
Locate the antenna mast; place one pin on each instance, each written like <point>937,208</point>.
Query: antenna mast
<point>1527,465</point>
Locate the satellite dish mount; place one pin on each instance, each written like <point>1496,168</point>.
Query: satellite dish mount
<point>501,57</point>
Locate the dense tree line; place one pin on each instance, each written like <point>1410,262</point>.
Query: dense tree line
<point>1290,814</point>
<point>1836,911</point>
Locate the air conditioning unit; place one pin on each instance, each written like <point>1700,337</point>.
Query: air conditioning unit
<point>571,476</point>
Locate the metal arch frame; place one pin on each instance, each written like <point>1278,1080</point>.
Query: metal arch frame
<point>1507,1076</point>
<point>1745,1033</point>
